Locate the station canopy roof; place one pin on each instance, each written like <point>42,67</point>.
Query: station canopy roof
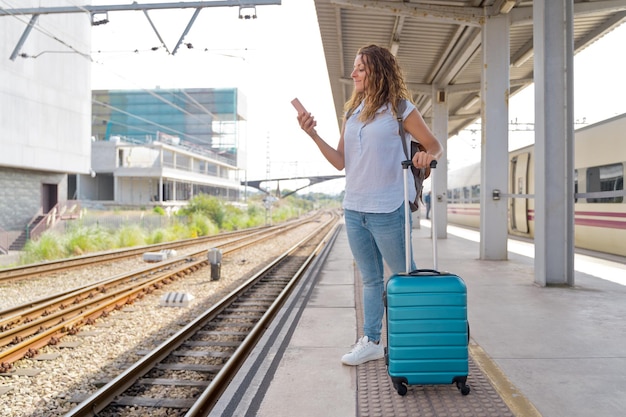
<point>438,42</point>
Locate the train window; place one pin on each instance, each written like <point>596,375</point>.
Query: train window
<point>456,195</point>
<point>605,178</point>
<point>476,193</point>
<point>466,195</point>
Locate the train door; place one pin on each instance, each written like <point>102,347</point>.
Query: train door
<point>519,185</point>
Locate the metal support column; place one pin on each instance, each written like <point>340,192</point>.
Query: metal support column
<point>495,138</point>
<point>554,142</point>
<point>439,202</point>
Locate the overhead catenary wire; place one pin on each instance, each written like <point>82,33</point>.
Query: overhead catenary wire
<point>44,31</point>
<point>185,97</point>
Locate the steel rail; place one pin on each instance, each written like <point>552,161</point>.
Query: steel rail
<point>236,238</point>
<point>26,271</point>
<point>75,314</point>
<point>30,311</point>
<point>219,383</point>
<point>69,325</point>
<point>100,399</point>
<point>68,311</point>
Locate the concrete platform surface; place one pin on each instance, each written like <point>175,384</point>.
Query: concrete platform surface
<point>544,351</point>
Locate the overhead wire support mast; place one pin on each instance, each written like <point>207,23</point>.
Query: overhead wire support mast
<point>104,9</point>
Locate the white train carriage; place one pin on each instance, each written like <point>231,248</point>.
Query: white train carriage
<point>464,196</point>
<point>600,219</point>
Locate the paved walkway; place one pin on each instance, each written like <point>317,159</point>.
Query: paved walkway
<point>554,352</point>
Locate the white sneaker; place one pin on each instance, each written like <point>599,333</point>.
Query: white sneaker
<point>364,351</point>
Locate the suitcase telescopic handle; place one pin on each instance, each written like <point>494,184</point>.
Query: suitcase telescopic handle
<point>406,164</point>
<point>407,213</point>
<point>433,223</point>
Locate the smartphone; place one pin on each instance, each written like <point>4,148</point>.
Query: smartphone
<point>296,103</point>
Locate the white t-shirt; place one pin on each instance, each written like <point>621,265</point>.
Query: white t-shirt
<point>374,154</point>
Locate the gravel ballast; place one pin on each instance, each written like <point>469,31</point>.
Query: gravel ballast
<point>101,351</point>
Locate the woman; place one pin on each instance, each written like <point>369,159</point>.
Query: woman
<point>371,152</point>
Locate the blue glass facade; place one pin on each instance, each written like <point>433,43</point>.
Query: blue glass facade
<point>196,117</point>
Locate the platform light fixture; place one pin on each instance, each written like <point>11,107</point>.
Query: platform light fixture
<point>247,12</point>
<point>99,18</point>
<point>395,45</point>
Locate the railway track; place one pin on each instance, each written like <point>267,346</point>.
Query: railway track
<point>63,265</point>
<point>27,328</point>
<point>187,373</point>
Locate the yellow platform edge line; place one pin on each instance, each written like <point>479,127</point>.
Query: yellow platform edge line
<point>519,405</point>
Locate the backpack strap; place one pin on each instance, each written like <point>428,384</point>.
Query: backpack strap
<point>401,107</point>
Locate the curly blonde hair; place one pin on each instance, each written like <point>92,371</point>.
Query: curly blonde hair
<point>385,83</point>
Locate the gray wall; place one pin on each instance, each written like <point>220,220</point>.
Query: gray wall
<point>20,195</point>
<point>45,122</point>
<point>45,102</point>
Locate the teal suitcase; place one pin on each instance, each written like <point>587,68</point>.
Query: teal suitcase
<point>427,326</point>
<point>427,330</point>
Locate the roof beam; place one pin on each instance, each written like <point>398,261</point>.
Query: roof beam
<point>524,15</point>
<point>460,57</point>
<point>607,6</point>
<point>342,66</point>
<point>394,43</point>
<point>600,31</point>
<point>198,5</point>
<point>135,6</point>
<point>466,16</point>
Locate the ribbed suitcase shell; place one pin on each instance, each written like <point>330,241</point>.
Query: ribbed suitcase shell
<point>427,329</point>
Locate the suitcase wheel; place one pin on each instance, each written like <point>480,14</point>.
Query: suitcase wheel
<point>401,388</point>
<point>463,387</point>
<point>400,385</point>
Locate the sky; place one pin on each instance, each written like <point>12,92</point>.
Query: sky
<point>279,56</point>
<point>271,59</point>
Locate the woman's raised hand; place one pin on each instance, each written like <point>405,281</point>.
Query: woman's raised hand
<point>307,123</point>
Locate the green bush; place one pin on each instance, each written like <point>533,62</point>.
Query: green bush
<point>129,236</point>
<point>283,213</point>
<point>177,231</point>
<point>48,247</point>
<point>81,240</point>
<point>157,236</point>
<point>203,216</point>
<point>210,206</point>
<point>201,225</point>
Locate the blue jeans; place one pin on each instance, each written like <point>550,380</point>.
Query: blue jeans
<point>372,238</point>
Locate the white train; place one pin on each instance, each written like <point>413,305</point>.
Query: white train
<point>600,159</point>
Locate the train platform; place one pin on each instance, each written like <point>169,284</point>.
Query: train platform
<point>534,351</point>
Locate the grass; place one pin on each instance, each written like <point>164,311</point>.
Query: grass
<point>203,216</point>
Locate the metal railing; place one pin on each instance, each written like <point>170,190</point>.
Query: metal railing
<point>4,241</point>
<point>66,210</point>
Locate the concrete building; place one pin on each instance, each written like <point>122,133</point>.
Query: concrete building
<point>140,148</point>
<point>45,120</point>
<point>162,147</point>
